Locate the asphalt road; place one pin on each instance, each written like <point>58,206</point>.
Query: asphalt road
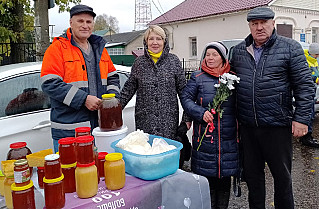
<point>305,175</point>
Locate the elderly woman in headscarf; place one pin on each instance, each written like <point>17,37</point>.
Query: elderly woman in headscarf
<point>215,150</point>
<point>157,78</point>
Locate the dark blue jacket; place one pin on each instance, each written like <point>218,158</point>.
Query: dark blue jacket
<point>265,91</point>
<point>217,156</point>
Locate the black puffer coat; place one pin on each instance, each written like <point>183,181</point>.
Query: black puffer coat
<point>218,154</point>
<point>265,91</point>
<point>156,87</point>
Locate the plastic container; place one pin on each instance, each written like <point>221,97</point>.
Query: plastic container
<point>103,140</point>
<point>86,180</point>
<point>110,113</point>
<point>114,171</point>
<point>23,196</point>
<point>84,149</point>
<point>82,131</point>
<point>151,167</point>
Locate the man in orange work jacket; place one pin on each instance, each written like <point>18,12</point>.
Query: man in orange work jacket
<point>76,71</point>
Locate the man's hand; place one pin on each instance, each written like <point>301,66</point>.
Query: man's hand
<point>299,129</point>
<point>92,102</point>
<point>208,117</point>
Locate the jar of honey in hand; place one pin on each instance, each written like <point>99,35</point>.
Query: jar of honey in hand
<point>110,113</point>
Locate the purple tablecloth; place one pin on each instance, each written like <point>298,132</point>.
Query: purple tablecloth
<point>177,191</point>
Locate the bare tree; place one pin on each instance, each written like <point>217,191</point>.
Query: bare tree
<point>103,22</point>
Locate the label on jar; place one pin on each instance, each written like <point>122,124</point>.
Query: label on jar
<point>21,176</point>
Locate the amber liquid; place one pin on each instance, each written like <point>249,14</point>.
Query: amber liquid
<point>69,179</point>
<point>114,172</point>
<point>52,169</point>
<point>24,198</point>
<point>110,118</point>
<point>40,177</point>
<point>54,195</point>
<point>67,153</point>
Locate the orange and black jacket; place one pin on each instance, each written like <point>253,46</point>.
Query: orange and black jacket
<point>64,78</point>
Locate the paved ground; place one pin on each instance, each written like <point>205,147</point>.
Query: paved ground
<point>305,174</point>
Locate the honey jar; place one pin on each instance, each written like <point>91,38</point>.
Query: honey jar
<point>114,171</point>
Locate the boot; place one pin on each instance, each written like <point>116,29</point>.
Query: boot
<point>223,199</point>
<point>309,141</point>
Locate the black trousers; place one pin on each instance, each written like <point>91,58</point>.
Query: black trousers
<point>274,146</point>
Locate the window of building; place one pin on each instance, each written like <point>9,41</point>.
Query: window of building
<point>315,32</point>
<point>115,51</point>
<point>193,47</point>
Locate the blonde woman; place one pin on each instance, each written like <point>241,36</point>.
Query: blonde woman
<point>157,78</point>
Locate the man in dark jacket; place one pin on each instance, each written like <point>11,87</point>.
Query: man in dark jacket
<point>272,70</point>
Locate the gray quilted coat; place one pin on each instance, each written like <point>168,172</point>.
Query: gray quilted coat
<point>156,87</point>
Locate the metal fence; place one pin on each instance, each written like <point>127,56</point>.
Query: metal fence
<point>190,66</point>
<point>11,53</point>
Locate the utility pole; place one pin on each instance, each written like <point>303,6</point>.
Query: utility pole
<point>41,22</point>
<point>143,14</point>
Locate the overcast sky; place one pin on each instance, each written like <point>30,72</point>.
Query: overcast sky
<point>123,10</point>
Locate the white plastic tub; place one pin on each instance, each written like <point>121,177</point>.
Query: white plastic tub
<point>103,139</point>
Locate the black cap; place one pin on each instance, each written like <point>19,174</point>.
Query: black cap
<point>260,13</point>
<point>78,9</point>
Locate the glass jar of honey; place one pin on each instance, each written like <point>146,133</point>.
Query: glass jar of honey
<point>2,177</point>
<point>86,180</point>
<point>8,181</point>
<point>110,113</point>
<point>52,166</point>
<point>82,131</point>
<point>23,196</point>
<point>40,172</point>
<point>68,171</point>
<point>101,160</point>
<point>21,173</point>
<point>54,194</point>
<point>84,149</point>
<point>114,171</point>
<point>18,150</point>
<point>67,150</point>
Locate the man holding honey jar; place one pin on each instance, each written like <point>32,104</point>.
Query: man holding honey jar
<point>76,71</point>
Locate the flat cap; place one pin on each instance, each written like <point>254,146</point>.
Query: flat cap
<point>78,9</point>
<point>260,13</point>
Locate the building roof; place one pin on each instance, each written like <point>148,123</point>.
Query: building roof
<point>191,9</point>
<point>125,38</point>
<point>101,32</point>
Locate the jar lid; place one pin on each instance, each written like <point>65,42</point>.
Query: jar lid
<point>84,139</point>
<point>102,155</point>
<point>18,145</point>
<point>49,181</point>
<point>83,129</point>
<point>1,174</point>
<point>104,96</point>
<point>40,168</point>
<point>114,156</point>
<point>68,165</point>
<point>51,157</point>
<point>15,188</point>
<point>85,165</point>
<point>20,162</point>
<point>66,140</point>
